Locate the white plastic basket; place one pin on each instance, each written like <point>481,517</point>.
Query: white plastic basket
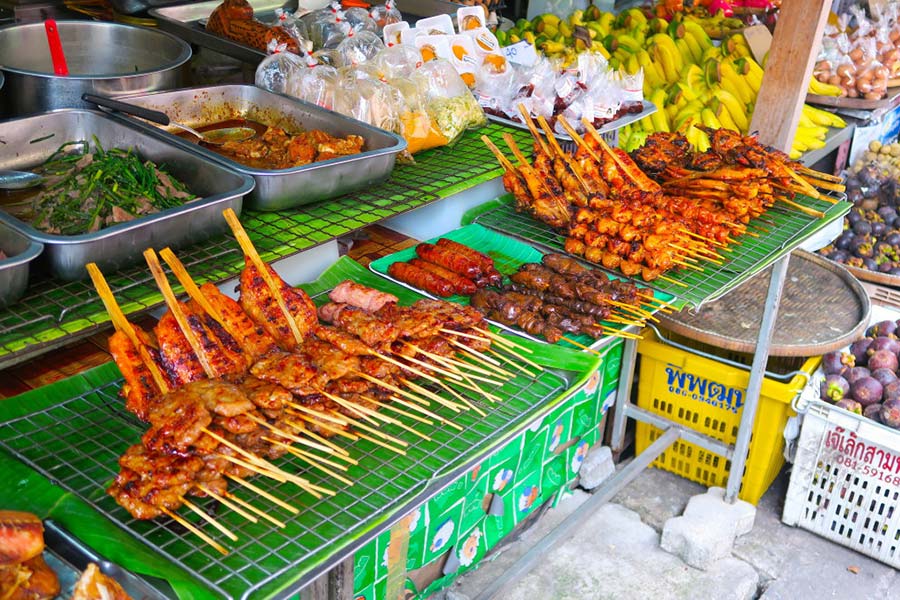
<point>845,484</point>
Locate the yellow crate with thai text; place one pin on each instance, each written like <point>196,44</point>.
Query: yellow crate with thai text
<point>707,396</point>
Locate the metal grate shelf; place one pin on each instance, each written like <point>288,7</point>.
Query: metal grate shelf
<point>780,231</point>
<point>76,443</point>
<point>55,313</point>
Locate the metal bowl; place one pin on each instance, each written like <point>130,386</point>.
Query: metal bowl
<point>110,59</point>
<point>20,251</point>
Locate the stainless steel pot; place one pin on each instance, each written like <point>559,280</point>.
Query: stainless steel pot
<point>109,59</point>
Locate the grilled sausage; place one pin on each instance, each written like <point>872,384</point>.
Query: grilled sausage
<point>448,259</point>
<point>421,279</point>
<point>461,285</point>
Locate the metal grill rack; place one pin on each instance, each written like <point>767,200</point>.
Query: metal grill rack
<point>779,231</point>
<point>54,313</point>
<point>76,443</point>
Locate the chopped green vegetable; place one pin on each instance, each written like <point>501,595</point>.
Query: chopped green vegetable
<point>87,190</point>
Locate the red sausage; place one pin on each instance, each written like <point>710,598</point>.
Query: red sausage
<point>461,285</point>
<point>421,279</point>
<point>448,259</point>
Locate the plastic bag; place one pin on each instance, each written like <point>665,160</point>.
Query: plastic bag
<point>294,27</point>
<point>359,20</point>
<point>318,85</point>
<point>359,48</point>
<point>417,127</point>
<point>277,71</point>
<point>385,14</point>
<point>448,99</point>
<point>398,61</point>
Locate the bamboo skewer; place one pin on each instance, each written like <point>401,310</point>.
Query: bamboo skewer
<point>410,368</point>
<point>818,174</point>
<point>424,411</point>
<point>392,388</point>
<point>250,251</point>
<point>452,362</point>
<point>317,414</point>
<point>465,401</point>
<point>429,394</point>
<point>805,210</point>
<point>286,434</point>
<point>311,461</point>
<point>472,352</point>
<point>529,122</point>
<point>672,281</point>
<point>248,455</point>
<point>503,341</point>
<point>501,158</point>
<point>122,324</point>
<point>263,493</point>
<point>191,288</point>
<point>191,506</point>
<point>521,357</point>
<point>323,424</point>
<point>162,283</point>
<point>339,452</point>
<point>512,363</point>
<point>399,411</point>
<point>227,502</point>
<point>279,477</point>
<point>377,432</point>
<point>193,529</point>
<point>433,367</point>
<point>580,345</point>
<point>465,335</point>
<point>567,158</point>
<point>251,508</point>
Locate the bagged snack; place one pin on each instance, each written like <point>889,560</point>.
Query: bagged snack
<point>295,27</point>
<point>470,17</point>
<point>384,15</point>
<point>393,33</point>
<point>359,20</point>
<point>276,71</point>
<point>448,99</point>
<point>318,85</point>
<point>416,126</point>
<point>398,61</point>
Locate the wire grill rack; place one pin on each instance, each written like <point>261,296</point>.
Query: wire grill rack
<point>76,443</point>
<point>779,230</point>
<point>54,313</point>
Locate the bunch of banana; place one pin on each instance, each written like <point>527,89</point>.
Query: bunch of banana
<point>716,26</point>
<point>583,30</point>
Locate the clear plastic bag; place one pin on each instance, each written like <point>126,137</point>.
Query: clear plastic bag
<point>318,85</point>
<point>398,61</point>
<point>359,20</point>
<point>294,27</point>
<point>359,48</point>
<point>277,71</point>
<point>385,14</point>
<point>449,102</point>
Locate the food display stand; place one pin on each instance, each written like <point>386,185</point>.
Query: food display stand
<point>452,494</point>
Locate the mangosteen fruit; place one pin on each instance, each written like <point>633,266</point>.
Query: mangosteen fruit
<point>878,228</point>
<point>837,362</point>
<point>873,411</point>
<point>842,242</point>
<point>862,227</point>
<point>858,350</point>
<point>883,359</point>
<point>883,249</point>
<point>883,342</point>
<point>851,405</point>
<point>855,261</point>
<point>892,237</point>
<point>886,267</point>
<point>855,215</point>
<point>892,391</point>
<point>857,373</point>
<point>888,213</point>
<point>855,196</point>
<point>839,256</point>
<point>833,388</point>
<point>866,390</point>
<point>890,413</point>
<point>884,376</point>
<point>870,264</point>
<point>894,271</point>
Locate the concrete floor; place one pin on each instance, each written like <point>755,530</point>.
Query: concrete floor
<point>616,556</point>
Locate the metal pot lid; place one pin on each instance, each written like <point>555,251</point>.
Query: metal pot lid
<point>823,308</point>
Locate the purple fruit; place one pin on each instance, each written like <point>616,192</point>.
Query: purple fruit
<point>883,343</point>
<point>857,373</point>
<point>873,411</point>
<point>833,388</point>
<point>866,391</point>
<point>885,328</point>
<point>858,350</point>
<point>838,362</point>
<point>883,359</point>
<point>892,391</point>
<point>885,377</point>
<point>851,405</point>
<point>890,413</point>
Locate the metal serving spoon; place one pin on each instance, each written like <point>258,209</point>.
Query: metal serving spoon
<point>19,180</point>
<point>216,137</point>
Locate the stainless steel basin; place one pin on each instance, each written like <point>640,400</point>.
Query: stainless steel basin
<point>109,59</point>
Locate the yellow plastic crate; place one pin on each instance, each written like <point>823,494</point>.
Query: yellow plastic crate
<point>707,396</point>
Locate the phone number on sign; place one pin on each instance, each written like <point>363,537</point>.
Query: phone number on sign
<point>868,470</point>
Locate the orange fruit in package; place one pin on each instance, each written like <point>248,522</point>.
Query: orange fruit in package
<point>495,62</point>
<point>428,53</point>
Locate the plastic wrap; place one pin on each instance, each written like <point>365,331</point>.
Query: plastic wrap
<point>448,99</point>
<point>318,85</point>
<point>393,33</point>
<point>398,62</point>
<point>295,27</point>
<point>359,20</point>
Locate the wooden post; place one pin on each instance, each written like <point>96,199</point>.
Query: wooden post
<point>798,36</point>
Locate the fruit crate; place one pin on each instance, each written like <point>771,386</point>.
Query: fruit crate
<point>845,484</point>
<point>703,388</point>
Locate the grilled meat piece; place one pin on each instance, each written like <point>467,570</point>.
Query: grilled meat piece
<point>258,302</point>
<point>252,338</point>
<point>94,585</point>
<point>21,537</point>
<point>355,294</point>
<point>369,328</point>
<point>32,579</point>
<point>140,389</point>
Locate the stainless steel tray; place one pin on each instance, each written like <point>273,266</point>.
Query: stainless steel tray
<point>14,270</point>
<point>188,21</point>
<point>648,109</point>
<point>68,557</point>
<point>283,188</point>
<point>30,141</point>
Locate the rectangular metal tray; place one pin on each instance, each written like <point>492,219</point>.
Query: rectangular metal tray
<point>282,188</point>
<point>429,8</point>
<point>32,140</point>
<point>184,21</point>
<point>14,270</point>
<point>68,557</point>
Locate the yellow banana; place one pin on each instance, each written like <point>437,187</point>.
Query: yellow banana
<point>745,92</point>
<point>686,56</point>
<point>632,65</point>
<point>696,50</point>
<point>709,119</point>
<point>735,109</point>
<point>659,119</point>
<point>629,43</point>
<point>664,58</point>
<point>664,41</point>
<point>697,32</point>
<point>752,73</point>
<point>823,117</point>
<point>724,117</point>
<point>824,89</point>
